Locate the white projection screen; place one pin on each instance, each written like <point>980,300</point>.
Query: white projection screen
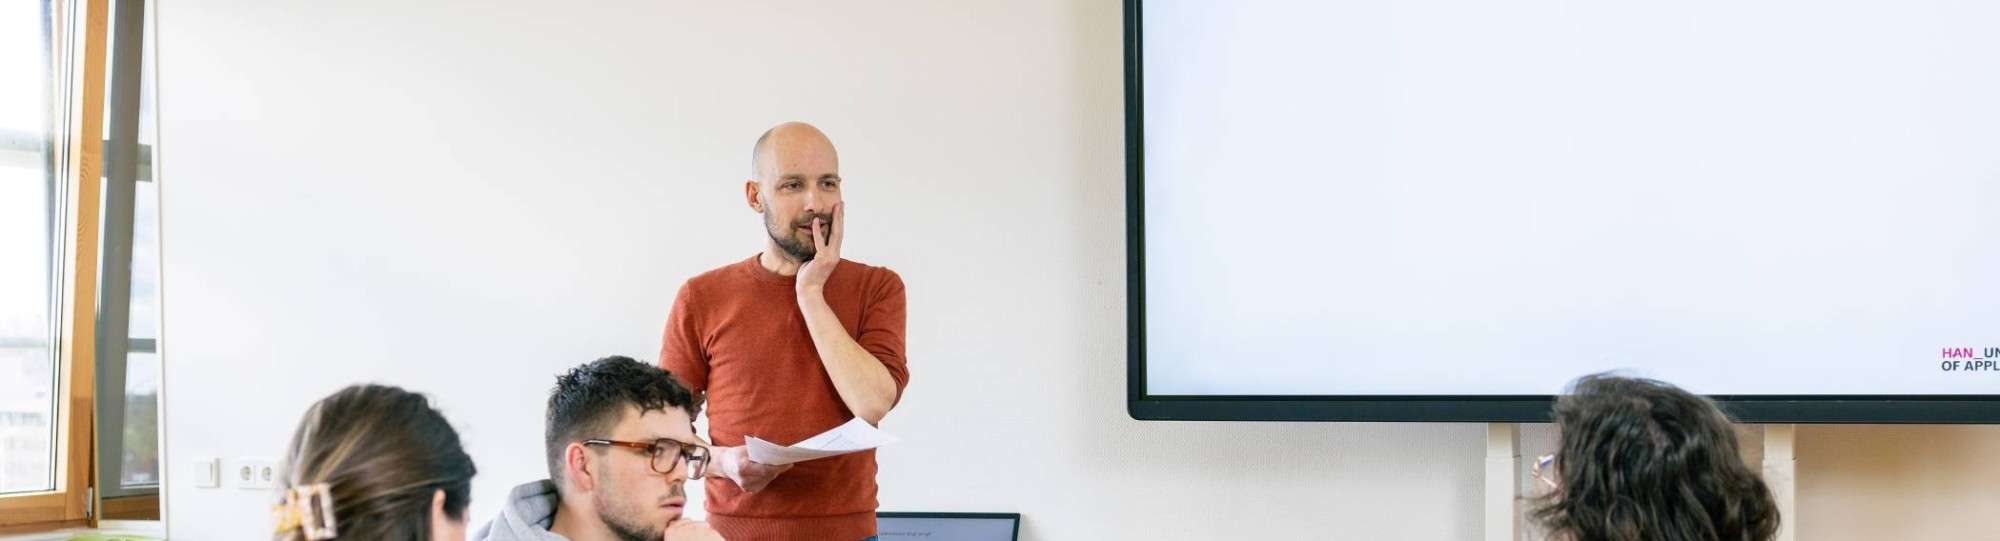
<point>1446,210</point>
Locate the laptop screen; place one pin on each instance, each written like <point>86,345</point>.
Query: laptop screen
<point>894,526</point>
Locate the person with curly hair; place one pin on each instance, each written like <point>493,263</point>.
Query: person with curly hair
<point>1643,460</point>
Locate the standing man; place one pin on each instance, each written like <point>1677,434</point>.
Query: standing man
<point>787,344</point>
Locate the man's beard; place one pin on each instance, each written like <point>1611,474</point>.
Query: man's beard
<point>799,248</point>
<point>633,530</point>
<point>629,532</point>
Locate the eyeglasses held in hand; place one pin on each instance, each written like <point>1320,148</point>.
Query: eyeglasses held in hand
<point>1545,462</point>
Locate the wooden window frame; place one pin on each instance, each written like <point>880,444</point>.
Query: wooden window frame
<point>142,507</point>
<point>80,42</point>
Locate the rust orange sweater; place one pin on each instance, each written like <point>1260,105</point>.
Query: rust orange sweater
<point>737,333</point>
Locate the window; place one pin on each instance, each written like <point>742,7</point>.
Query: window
<point>65,233</point>
<point>128,368</point>
<point>28,199</point>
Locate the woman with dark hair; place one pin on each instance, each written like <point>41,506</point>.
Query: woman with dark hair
<point>378,463</point>
<point>1643,460</point>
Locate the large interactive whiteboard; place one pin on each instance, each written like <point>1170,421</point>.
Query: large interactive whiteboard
<point>1446,210</point>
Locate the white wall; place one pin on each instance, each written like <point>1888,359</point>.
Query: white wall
<point>466,198</point>
<point>1865,483</point>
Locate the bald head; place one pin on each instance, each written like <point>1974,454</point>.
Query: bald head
<point>795,183</point>
<point>786,147</point>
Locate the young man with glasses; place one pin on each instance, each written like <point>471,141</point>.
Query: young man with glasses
<point>621,448</point>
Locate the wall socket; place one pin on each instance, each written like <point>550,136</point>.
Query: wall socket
<point>251,473</point>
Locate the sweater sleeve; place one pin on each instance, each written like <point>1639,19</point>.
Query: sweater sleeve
<point>682,350</point>
<point>882,327</point>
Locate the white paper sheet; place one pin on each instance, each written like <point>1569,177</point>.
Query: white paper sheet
<point>854,436</point>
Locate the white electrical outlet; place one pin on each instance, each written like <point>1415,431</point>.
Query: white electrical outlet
<point>252,473</point>
<point>207,472</point>
<point>239,473</point>
<point>267,473</point>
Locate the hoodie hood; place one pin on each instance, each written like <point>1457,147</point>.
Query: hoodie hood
<point>530,511</point>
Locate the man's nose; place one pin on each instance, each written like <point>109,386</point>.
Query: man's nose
<point>815,202</point>
<point>679,473</point>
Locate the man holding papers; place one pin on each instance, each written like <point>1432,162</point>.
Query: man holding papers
<point>787,345</point>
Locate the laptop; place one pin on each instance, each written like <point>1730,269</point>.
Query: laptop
<point>905,526</point>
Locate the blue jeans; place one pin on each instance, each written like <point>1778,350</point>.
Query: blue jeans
<point>872,538</point>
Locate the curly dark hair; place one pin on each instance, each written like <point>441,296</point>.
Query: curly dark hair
<point>384,453</point>
<point>1643,460</point>
<point>588,400</point>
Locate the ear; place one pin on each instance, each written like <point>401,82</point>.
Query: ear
<point>750,194</point>
<point>578,468</point>
<point>442,525</point>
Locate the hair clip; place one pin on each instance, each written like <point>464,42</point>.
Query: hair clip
<point>309,508</point>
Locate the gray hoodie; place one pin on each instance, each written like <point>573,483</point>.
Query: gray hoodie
<point>530,511</point>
